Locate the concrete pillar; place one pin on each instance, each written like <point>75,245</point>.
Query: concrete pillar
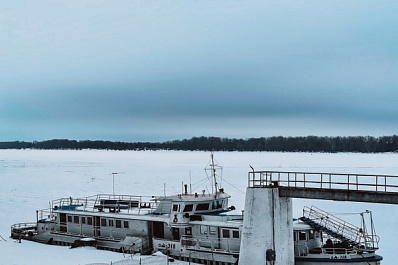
<point>267,225</point>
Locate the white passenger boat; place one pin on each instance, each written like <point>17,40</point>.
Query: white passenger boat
<point>194,227</point>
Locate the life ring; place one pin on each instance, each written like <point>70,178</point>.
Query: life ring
<point>175,220</point>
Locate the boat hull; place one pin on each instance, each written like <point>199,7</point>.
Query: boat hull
<point>339,260</point>
<point>196,253</point>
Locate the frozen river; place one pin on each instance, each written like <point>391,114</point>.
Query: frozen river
<point>32,178</point>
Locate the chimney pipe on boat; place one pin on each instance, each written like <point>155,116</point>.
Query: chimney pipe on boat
<point>186,189</point>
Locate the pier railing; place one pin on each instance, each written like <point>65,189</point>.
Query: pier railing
<point>331,181</point>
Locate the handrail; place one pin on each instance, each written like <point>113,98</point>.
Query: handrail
<point>334,223</point>
<point>23,226</point>
<point>301,249</point>
<point>334,251</point>
<point>102,201</point>
<point>348,232</point>
<point>210,243</point>
<point>339,181</point>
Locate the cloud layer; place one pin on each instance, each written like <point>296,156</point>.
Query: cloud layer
<point>149,71</point>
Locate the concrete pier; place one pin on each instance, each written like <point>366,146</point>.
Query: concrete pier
<point>267,228</point>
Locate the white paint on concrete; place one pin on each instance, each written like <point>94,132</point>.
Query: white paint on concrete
<point>268,224</point>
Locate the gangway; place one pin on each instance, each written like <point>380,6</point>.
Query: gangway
<point>340,229</point>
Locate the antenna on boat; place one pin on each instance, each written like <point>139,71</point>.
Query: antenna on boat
<point>212,175</point>
<point>213,170</point>
<point>190,183</point>
<point>113,182</point>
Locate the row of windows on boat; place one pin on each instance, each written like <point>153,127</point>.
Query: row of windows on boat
<point>218,204</point>
<point>104,222</point>
<point>225,232</point>
<point>204,229</point>
<point>304,235</point>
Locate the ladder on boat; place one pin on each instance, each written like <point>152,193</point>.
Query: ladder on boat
<point>338,228</point>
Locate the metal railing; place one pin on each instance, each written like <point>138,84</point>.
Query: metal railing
<point>357,236</point>
<point>357,182</point>
<point>101,202</point>
<point>338,251</point>
<point>18,231</point>
<point>334,224</point>
<point>24,226</point>
<point>300,249</point>
<point>211,243</point>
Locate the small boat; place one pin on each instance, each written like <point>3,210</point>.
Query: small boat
<point>196,227</point>
<point>322,238</point>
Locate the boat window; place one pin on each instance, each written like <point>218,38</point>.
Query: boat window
<point>217,204</point>
<point>311,234</point>
<point>176,207</point>
<point>118,223</point>
<point>203,229</point>
<point>76,219</point>
<point>295,236</point>
<point>103,222</point>
<point>89,220</point>
<point>188,231</point>
<point>202,207</point>
<point>110,222</point>
<point>69,219</point>
<point>83,220</point>
<point>225,233</point>
<point>302,235</point>
<point>126,224</point>
<point>188,208</point>
<point>213,230</point>
<point>235,233</point>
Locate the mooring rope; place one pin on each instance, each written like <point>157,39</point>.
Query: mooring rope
<point>3,238</point>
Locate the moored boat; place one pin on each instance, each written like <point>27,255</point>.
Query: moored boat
<point>197,227</point>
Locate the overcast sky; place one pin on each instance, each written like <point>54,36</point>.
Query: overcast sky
<point>164,70</point>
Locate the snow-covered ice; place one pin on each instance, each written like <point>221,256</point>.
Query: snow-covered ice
<point>32,178</point>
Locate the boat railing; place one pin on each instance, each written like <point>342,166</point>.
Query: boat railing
<point>102,202</point>
<point>215,244</point>
<point>21,229</point>
<point>301,249</point>
<point>45,214</point>
<point>24,226</point>
<point>136,245</point>
<point>338,251</point>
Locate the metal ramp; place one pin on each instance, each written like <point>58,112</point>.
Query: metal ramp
<point>338,228</point>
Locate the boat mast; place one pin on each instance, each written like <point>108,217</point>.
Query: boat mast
<point>213,169</point>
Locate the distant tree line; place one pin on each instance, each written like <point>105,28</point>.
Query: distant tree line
<point>362,144</point>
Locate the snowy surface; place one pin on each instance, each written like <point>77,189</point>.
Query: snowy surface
<point>32,178</point>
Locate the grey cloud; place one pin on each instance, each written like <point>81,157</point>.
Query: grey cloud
<point>143,66</point>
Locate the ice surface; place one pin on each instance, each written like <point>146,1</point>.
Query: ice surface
<point>32,178</point>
